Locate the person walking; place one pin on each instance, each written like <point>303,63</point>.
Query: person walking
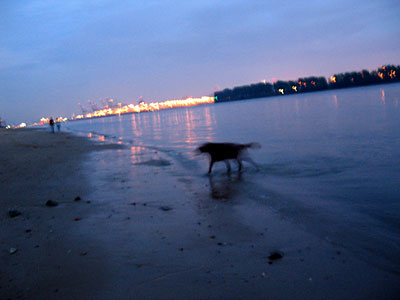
<point>51,122</point>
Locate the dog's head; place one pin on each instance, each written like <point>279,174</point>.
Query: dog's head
<point>205,148</point>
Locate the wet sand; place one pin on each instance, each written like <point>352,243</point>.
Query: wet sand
<point>37,166</point>
<point>142,230</point>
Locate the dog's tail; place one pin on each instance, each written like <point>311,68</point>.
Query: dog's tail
<point>253,145</point>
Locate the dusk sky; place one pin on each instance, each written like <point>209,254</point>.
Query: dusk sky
<point>54,54</point>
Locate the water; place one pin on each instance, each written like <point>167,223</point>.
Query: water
<point>329,161</point>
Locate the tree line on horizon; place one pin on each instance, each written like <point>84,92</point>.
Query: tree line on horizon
<point>385,74</point>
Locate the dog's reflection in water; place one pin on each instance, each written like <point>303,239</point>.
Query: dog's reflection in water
<point>226,187</point>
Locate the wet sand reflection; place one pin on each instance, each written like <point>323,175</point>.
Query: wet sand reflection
<point>226,187</point>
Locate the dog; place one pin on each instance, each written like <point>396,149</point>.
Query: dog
<point>226,151</point>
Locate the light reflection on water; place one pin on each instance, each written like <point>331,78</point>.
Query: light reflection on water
<point>175,127</point>
<point>137,154</point>
<point>335,101</point>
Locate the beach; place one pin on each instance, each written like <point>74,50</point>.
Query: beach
<point>123,225</point>
<point>38,166</point>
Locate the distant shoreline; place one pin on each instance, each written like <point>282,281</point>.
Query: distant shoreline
<point>385,74</point>
<point>311,92</point>
<point>254,98</point>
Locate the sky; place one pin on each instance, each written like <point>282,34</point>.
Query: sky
<point>54,54</point>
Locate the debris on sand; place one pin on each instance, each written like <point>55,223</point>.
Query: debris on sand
<point>51,203</point>
<point>13,213</point>
<point>275,256</point>
<point>166,208</point>
<point>77,198</point>
<point>13,250</point>
<point>77,219</point>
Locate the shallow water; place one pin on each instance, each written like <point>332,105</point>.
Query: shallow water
<point>329,161</point>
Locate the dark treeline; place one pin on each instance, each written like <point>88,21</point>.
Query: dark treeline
<point>385,74</point>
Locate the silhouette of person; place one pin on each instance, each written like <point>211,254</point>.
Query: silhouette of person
<point>51,123</point>
<point>58,124</point>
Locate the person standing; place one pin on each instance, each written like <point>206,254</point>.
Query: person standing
<point>58,124</point>
<point>51,122</point>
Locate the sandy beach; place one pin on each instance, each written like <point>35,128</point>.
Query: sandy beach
<point>142,232</point>
<point>37,166</point>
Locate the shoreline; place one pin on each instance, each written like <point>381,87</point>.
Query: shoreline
<point>143,230</point>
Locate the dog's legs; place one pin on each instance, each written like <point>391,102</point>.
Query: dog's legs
<point>211,165</point>
<point>240,164</point>
<point>228,166</point>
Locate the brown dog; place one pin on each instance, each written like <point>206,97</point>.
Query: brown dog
<point>225,151</point>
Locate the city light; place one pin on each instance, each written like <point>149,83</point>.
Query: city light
<point>143,107</point>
